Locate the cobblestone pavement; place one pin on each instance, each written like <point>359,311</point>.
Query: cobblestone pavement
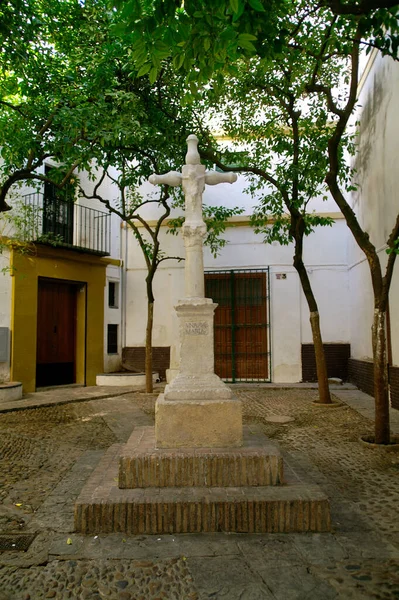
<point>47,454</point>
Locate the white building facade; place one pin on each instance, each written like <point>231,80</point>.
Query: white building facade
<point>271,320</point>
<point>376,204</point>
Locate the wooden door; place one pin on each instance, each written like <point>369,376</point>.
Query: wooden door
<point>241,324</point>
<point>56,333</point>
<point>219,288</point>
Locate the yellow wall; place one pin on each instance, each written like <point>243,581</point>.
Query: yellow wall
<point>57,263</point>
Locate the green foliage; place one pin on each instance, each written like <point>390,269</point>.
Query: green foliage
<point>278,228</point>
<point>280,114</point>
<point>18,231</point>
<point>380,29</point>
<point>68,95</point>
<point>18,227</point>
<point>200,38</point>
<point>394,249</point>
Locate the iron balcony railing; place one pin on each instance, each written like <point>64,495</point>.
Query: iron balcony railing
<point>67,224</point>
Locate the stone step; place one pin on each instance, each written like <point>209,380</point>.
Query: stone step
<point>124,378</point>
<point>104,508</point>
<point>141,465</point>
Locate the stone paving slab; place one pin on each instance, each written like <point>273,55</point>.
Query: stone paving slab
<point>67,395</point>
<point>364,404</point>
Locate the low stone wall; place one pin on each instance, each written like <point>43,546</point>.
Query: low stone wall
<point>133,359</point>
<point>361,374</point>
<point>394,382</point>
<point>10,391</point>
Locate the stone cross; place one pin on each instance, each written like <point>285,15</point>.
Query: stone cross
<point>193,179</point>
<point>197,409</point>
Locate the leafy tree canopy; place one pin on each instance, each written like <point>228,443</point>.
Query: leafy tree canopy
<point>205,38</point>
<point>66,95</point>
<point>201,37</point>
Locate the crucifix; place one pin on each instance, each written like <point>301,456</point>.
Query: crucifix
<point>193,179</point>
<point>197,408</point>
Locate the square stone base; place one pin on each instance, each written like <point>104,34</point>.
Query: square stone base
<point>257,462</point>
<point>104,508</point>
<point>204,423</point>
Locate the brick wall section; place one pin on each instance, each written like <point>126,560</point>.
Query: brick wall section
<point>337,356</point>
<point>133,359</point>
<point>361,374</point>
<point>394,381</point>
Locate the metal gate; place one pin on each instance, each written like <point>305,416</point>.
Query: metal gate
<point>58,211</point>
<point>242,323</point>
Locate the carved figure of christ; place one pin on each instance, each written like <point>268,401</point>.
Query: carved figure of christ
<point>193,179</point>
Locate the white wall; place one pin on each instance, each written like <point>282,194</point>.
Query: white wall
<point>325,256</point>
<point>112,315</point>
<point>376,202</point>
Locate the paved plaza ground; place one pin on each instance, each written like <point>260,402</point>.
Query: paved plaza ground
<point>53,441</point>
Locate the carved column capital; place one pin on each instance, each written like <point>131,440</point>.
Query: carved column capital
<point>193,234</point>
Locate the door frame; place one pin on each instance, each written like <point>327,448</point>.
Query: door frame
<point>266,272</point>
<point>57,263</point>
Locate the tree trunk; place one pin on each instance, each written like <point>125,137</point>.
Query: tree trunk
<point>381,390</point>
<point>149,388</point>
<point>321,367</point>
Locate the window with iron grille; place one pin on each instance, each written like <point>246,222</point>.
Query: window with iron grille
<point>112,339</point>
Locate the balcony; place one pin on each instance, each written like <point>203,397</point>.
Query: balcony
<point>64,223</point>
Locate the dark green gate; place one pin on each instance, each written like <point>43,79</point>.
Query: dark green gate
<point>242,323</point>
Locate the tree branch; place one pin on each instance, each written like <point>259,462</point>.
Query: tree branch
<point>13,107</point>
<point>141,242</point>
<point>208,155</point>
<point>361,237</point>
<point>363,7</point>
<point>165,194</point>
<point>178,258</point>
<point>391,258</point>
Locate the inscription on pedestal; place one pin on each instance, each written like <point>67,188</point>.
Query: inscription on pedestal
<point>195,328</point>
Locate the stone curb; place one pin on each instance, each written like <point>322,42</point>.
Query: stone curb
<point>27,404</point>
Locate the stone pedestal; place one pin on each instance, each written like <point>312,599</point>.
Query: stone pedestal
<point>195,472</point>
<point>197,408</point>
<point>199,424</point>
